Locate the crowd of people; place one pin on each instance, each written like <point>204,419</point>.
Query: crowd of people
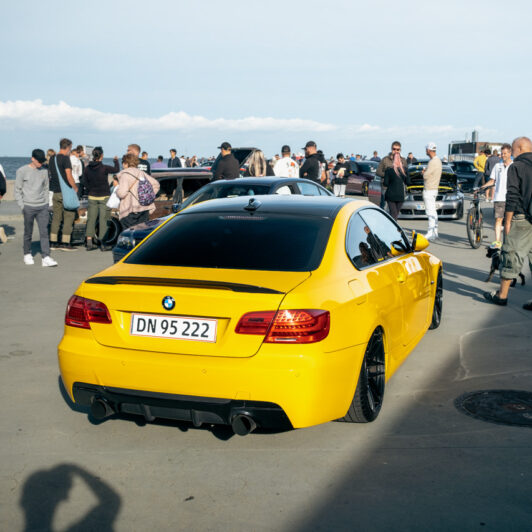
<point>57,180</point>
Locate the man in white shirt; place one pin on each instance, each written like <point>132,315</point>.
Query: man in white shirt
<point>286,166</point>
<point>499,176</point>
<point>77,168</point>
<point>431,183</point>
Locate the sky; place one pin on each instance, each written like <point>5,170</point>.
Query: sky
<point>351,75</point>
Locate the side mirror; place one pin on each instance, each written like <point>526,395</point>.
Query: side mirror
<point>176,207</point>
<point>419,242</point>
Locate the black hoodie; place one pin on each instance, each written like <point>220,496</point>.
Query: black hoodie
<point>519,185</point>
<point>95,178</point>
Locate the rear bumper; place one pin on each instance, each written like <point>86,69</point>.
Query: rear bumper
<point>197,410</point>
<point>304,384</point>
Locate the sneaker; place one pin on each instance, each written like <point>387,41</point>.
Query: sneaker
<point>28,259</point>
<point>91,246</point>
<point>55,245</point>
<point>493,297</point>
<point>3,236</point>
<point>106,248</point>
<point>67,247</point>
<point>431,235</point>
<point>48,261</point>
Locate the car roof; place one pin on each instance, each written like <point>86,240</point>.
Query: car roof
<point>327,206</point>
<point>266,180</point>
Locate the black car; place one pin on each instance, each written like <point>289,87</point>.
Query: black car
<point>245,186</point>
<point>466,173</point>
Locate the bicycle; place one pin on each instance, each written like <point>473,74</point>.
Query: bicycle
<point>474,219</point>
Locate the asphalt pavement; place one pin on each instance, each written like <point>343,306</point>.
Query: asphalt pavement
<point>423,465</point>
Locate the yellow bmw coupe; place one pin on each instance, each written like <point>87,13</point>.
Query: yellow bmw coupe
<point>268,312</point>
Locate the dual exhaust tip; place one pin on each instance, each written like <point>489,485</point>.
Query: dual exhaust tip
<point>241,423</point>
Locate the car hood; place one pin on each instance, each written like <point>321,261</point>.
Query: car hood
<point>448,179</point>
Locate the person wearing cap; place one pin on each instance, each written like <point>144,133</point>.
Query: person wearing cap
<point>227,167</point>
<point>311,168</point>
<point>286,166</point>
<point>31,194</point>
<point>431,183</point>
<point>340,173</point>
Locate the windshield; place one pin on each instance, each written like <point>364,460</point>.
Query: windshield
<point>226,190</point>
<point>237,241</point>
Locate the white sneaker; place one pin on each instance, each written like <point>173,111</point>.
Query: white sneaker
<point>28,259</point>
<point>431,235</point>
<point>48,261</point>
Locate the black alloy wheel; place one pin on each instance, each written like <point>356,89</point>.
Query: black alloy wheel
<point>365,188</point>
<point>438,303</point>
<point>369,393</point>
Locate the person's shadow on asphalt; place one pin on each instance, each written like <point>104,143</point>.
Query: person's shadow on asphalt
<point>45,489</point>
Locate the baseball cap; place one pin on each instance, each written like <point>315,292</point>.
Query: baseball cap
<point>38,155</point>
<point>286,149</point>
<point>310,144</point>
<point>431,146</point>
<point>224,146</point>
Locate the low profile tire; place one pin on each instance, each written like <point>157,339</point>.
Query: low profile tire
<point>438,303</point>
<point>460,211</point>
<point>113,230</point>
<point>369,393</point>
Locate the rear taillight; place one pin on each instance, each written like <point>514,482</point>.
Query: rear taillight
<point>82,311</point>
<point>286,326</point>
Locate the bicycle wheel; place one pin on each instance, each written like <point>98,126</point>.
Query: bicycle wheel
<point>474,227</point>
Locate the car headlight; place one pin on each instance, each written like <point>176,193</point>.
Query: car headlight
<point>453,197</point>
<point>409,197</point>
<point>126,241</point>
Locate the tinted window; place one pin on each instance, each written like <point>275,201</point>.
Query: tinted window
<point>203,194</point>
<point>308,189</point>
<point>367,167</point>
<point>322,191</point>
<point>359,243</point>
<point>237,241</point>
<point>354,167</point>
<point>167,190</point>
<point>385,233</point>
<point>231,191</point>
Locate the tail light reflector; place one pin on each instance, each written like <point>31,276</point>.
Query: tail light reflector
<point>287,326</point>
<point>82,311</point>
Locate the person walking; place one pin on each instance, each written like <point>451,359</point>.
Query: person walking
<point>339,174</point>
<point>499,176</point>
<point>491,161</point>
<point>431,183</point>
<point>143,164</point>
<point>286,166</point>
<point>31,194</point>
<point>228,166</point>
<point>174,161</point>
<point>258,166</point>
<point>517,221</point>
<point>395,180</point>
<point>311,168</point>
<point>59,167</point>
<point>480,165</point>
<point>96,181</point>
<point>387,162</point>
<point>131,211</point>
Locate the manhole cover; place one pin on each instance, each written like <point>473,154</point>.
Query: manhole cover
<point>506,407</point>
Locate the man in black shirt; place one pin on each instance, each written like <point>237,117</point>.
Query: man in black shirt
<point>61,162</point>
<point>227,167</point>
<point>144,164</point>
<point>174,161</point>
<point>311,166</point>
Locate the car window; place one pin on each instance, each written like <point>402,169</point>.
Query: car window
<point>322,191</point>
<point>308,189</point>
<point>359,244</point>
<point>237,241</point>
<point>167,190</point>
<point>386,233</point>
<point>233,191</point>
<point>284,190</point>
<point>354,167</point>
<point>204,194</point>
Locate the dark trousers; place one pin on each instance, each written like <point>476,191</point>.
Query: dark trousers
<point>97,209</point>
<point>134,218</point>
<point>395,208</point>
<point>61,215</point>
<point>479,180</point>
<point>41,215</point>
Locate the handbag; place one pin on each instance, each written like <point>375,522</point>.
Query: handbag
<point>114,201</point>
<point>70,198</point>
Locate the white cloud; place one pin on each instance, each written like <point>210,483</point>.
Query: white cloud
<point>35,113</point>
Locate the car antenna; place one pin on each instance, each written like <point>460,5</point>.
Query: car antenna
<point>253,205</point>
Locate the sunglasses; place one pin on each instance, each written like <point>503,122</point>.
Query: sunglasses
<point>396,149</point>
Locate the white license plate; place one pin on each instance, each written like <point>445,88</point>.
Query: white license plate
<point>176,327</point>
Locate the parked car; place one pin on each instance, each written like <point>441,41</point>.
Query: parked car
<point>245,186</point>
<point>264,312</point>
<point>466,174</point>
<point>449,201</point>
<point>362,173</point>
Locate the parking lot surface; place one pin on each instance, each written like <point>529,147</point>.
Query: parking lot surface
<point>423,465</point>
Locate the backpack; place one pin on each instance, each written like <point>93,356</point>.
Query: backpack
<point>145,192</point>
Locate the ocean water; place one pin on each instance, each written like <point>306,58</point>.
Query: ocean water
<point>12,164</point>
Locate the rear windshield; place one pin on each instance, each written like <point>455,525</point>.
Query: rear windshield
<point>237,241</point>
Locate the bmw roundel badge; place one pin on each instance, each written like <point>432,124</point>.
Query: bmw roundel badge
<point>168,302</point>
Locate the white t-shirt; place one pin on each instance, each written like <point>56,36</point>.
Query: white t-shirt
<point>500,175</point>
<point>77,168</point>
<point>286,167</point>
